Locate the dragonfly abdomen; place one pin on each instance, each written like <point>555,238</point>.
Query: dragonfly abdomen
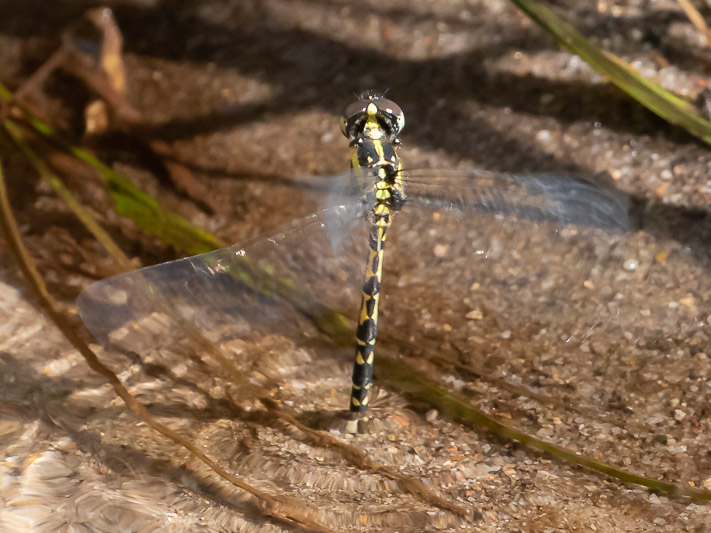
<point>367,330</point>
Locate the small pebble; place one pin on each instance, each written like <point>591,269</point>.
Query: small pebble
<point>543,136</point>
<point>630,265</point>
<point>476,314</point>
<point>688,301</point>
<point>351,426</point>
<point>432,415</point>
<point>440,250</point>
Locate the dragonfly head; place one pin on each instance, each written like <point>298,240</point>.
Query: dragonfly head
<point>372,115</point>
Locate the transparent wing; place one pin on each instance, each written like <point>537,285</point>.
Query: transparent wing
<point>522,249</point>
<point>495,260</point>
<point>271,283</point>
<point>535,278</point>
<point>317,261</point>
<point>556,198</point>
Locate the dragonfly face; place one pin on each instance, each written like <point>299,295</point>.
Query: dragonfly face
<point>372,117</point>
<point>372,124</point>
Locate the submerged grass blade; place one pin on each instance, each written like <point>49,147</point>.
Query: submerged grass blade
<point>658,100</point>
<point>400,377</point>
<point>84,216</point>
<point>130,201</point>
<point>403,379</point>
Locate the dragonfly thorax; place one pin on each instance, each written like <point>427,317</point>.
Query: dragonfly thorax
<point>377,161</point>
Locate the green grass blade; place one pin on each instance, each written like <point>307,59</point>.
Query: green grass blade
<point>399,376</point>
<point>658,100</point>
<point>130,201</point>
<point>419,388</point>
<point>83,214</point>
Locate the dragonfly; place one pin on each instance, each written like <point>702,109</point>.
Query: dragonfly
<point>469,252</point>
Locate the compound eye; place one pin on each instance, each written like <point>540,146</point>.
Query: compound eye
<point>352,113</point>
<point>388,106</point>
<point>394,111</point>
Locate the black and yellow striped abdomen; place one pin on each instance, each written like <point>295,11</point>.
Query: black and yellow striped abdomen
<point>367,330</point>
